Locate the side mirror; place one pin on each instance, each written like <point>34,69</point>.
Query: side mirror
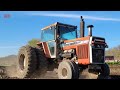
<point>106,46</point>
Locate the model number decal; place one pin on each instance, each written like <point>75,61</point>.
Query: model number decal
<point>77,42</point>
<point>82,42</point>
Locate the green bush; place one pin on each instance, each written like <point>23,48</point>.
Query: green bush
<point>113,63</point>
<point>33,42</point>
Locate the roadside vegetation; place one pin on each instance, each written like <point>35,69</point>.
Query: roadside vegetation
<point>114,52</point>
<point>113,63</point>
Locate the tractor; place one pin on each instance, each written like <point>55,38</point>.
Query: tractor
<point>62,48</point>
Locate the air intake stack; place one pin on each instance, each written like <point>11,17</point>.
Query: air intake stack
<point>90,29</point>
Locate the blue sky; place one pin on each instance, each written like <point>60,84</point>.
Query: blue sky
<point>22,26</point>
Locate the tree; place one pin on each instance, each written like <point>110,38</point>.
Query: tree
<point>33,42</point>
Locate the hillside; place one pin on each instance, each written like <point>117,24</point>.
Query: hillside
<point>8,60</point>
<point>114,52</point>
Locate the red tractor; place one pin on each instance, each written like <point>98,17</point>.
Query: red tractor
<point>61,47</point>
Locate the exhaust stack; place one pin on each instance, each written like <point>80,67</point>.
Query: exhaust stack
<point>82,25</point>
<point>90,29</point>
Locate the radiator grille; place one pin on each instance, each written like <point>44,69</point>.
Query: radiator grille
<point>98,55</point>
<point>83,51</point>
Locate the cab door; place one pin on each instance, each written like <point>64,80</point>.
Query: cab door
<point>52,48</point>
<point>48,35</point>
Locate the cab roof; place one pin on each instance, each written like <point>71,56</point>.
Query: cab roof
<point>59,24</point>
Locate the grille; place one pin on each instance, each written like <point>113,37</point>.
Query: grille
<point>98,55</point>
<point>83,51</point>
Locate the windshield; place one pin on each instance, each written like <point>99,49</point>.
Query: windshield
<point>67,33</point>
<point>47,35</point>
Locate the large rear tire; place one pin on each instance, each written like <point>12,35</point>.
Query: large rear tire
<point>42,63</point>
<point>27,61</point>
<point>68,70</point>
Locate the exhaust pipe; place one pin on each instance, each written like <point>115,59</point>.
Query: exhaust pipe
<point>82,25</point>
<point>90,29</point>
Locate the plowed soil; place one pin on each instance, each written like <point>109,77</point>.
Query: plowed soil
<point>11,72</point>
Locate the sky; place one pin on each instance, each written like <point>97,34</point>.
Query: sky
<point>18,27</point>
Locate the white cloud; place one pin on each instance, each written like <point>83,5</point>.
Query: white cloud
<point>74,16</point>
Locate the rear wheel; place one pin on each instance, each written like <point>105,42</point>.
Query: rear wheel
<point>68,70</point>
<point>42,63</point>
<point>26,64</point>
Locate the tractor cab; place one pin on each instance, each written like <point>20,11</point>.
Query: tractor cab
<point>53,34</point>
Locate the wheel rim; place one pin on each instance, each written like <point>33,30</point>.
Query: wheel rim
<point>64,72</point>
<point>22,62</point>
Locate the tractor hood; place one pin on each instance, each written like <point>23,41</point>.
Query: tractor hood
<point>78,41</point>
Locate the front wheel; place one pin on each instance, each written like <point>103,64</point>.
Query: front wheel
<point>68,70</point>
<point>105,72</point>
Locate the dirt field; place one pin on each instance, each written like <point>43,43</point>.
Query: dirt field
<point>49,75</point>
<point>115,69</point>
<point>10,69</point>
